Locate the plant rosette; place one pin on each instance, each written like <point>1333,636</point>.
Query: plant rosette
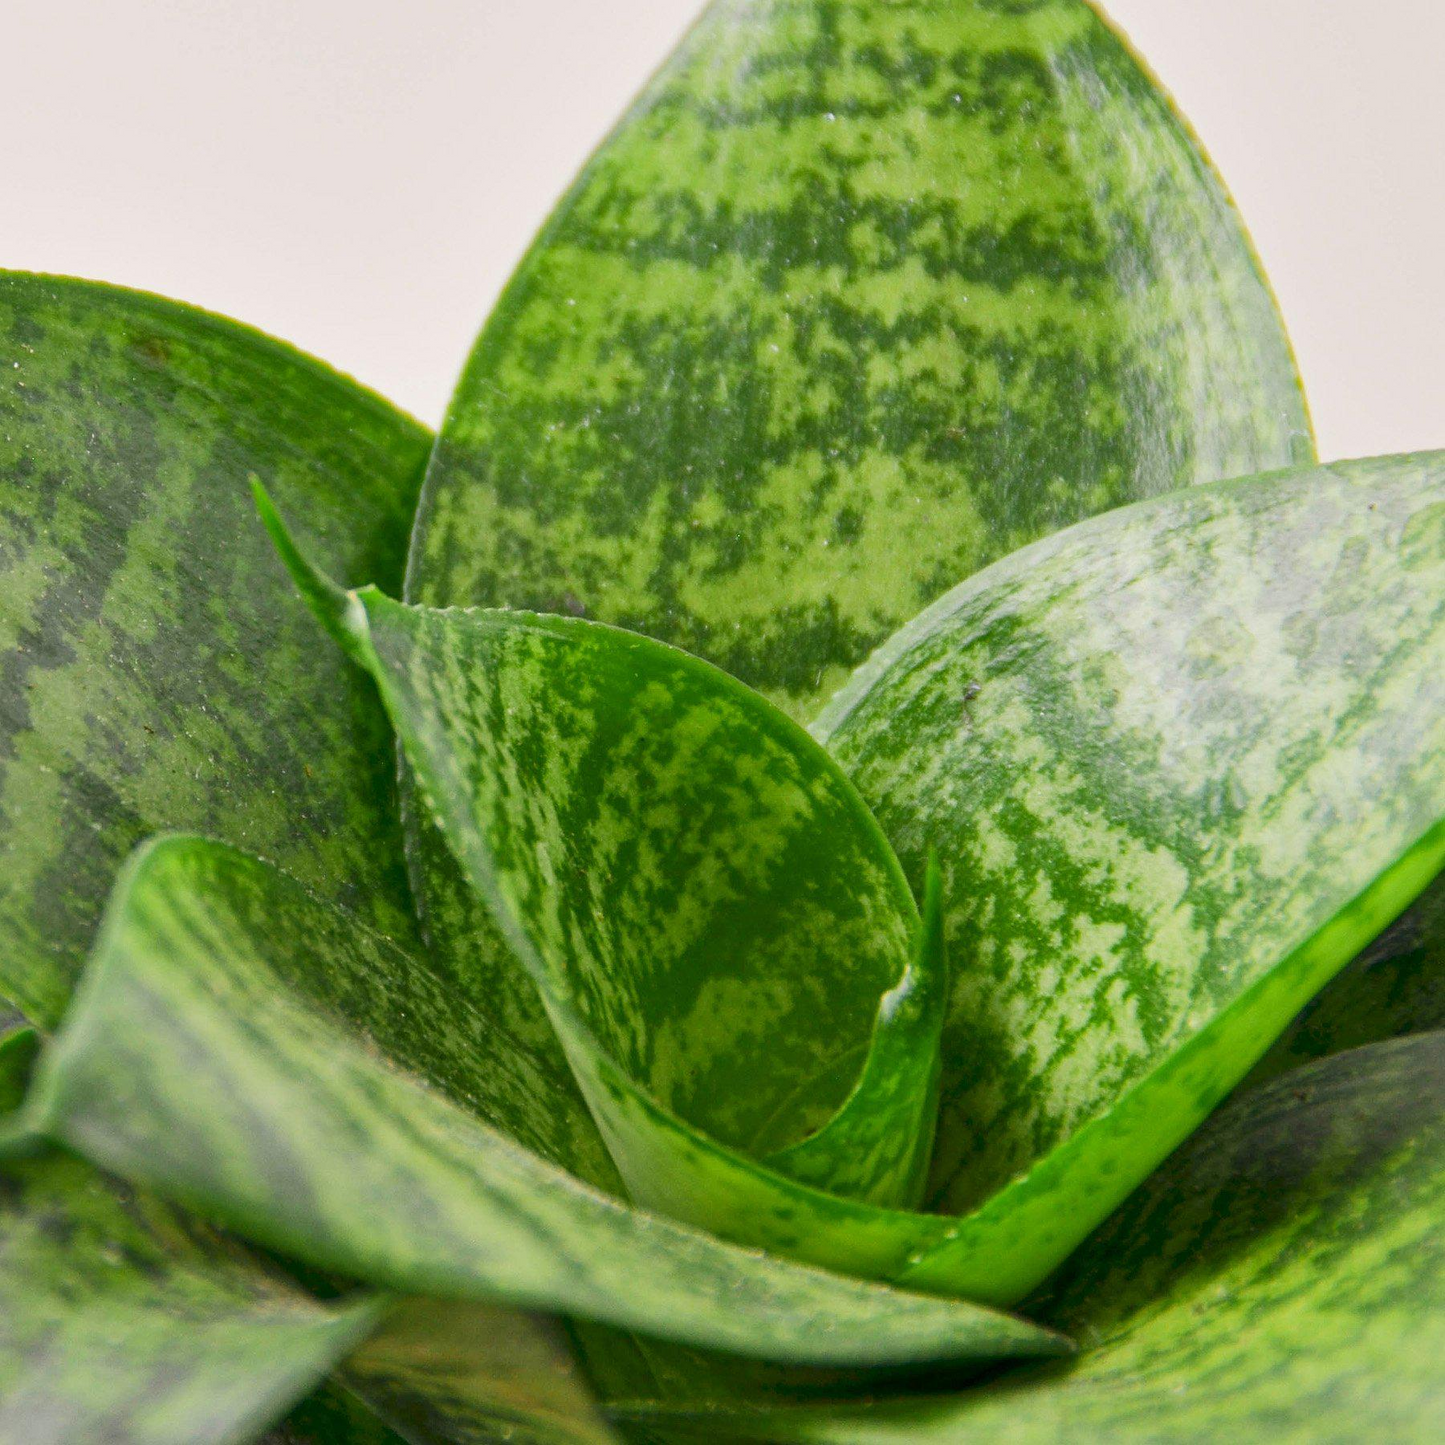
<point>850,853</point>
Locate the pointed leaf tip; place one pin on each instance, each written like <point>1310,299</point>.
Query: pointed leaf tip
<point>330,603</point>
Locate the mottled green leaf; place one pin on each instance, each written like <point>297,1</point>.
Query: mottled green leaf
<point>155,670</point>
<point>1180,763</point>
<point>122,1320</point>
<point>717,929</point>
<point>466,1374</point>
<point>1396,986</point>
<point>1282,1278</point>
<point>859,297</point>
<point>228,1047</point>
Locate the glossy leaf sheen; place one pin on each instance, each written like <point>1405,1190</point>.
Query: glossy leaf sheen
<point>120,1319</point>
<point>856,299</point>
<point>227,1040</point>
<point>1281,1278</point>
<point>155,671</point>
<point>1179,763</point>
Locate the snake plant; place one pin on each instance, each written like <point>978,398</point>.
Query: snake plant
<point>850,853</point>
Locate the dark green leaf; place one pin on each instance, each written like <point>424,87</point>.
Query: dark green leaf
<point>332,1416</point>
<point>121,1319</point>
<point>1396,986</point>
<point>472,1373</point>
<point>1281,1278</point>
<point>1180,763</point>
<point>19,1044</point>
<point>857,298</point>
<point>155,670</point>
<point>717,929</point>
<point>228,1046</point>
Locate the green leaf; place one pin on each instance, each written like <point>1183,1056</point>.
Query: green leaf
<point>332,1416</point>
<point>447,1372</point>
<point>229,1047</point>
<point>121,1319</point>
<point>19,1044</point>
<point>1281,1278</point>
<point>156,670</point>
<point>1180,764</point>
<point>1396,986</point>
<point>717,929</point>
<point>858,298</point>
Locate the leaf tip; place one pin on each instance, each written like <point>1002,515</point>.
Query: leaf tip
<point>330,603</point>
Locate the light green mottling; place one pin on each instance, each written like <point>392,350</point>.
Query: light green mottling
<point>1179,764</point>
<point>123,1320</point>
<point>858,297</point>
<point>710,915</point>
<point>209,1055</point>
<point>154,669</point>
<point>1282,1278</point>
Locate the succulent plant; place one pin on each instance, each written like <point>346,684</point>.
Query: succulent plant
<point>851,853</point>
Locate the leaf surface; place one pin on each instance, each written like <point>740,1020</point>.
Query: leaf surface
<point>1180,763</point>
<point>227,1048</point>
<point>1396,986</point>
<point>155,671</point>
<point>1282,1278</point>
<point>718,931</point>
<point>332,1416</point>
<point>857,298</point>
<point>451,1373</point>
<point>121,1319</point>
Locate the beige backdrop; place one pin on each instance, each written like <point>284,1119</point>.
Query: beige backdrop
<point>359,177</point>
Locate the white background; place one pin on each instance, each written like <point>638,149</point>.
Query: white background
<point>360,177</point>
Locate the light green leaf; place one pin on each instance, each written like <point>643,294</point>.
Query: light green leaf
<point>717,929</point>
<point>856,299</point>
<point>228,1046</point>
<point>451,1372</point>
<point>1180,763</point>
<point>157,672</point>
<point>121,1319</point>
<point>1282,1278</point>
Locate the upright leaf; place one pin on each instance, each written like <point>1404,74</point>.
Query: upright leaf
<point>121,1319</point>
<point>230,1047</point>
<point>154,669</point>
<point>1281,1278</point>
<point>857,298</point>
<point>1180,763</point>
<point>716,928</point>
